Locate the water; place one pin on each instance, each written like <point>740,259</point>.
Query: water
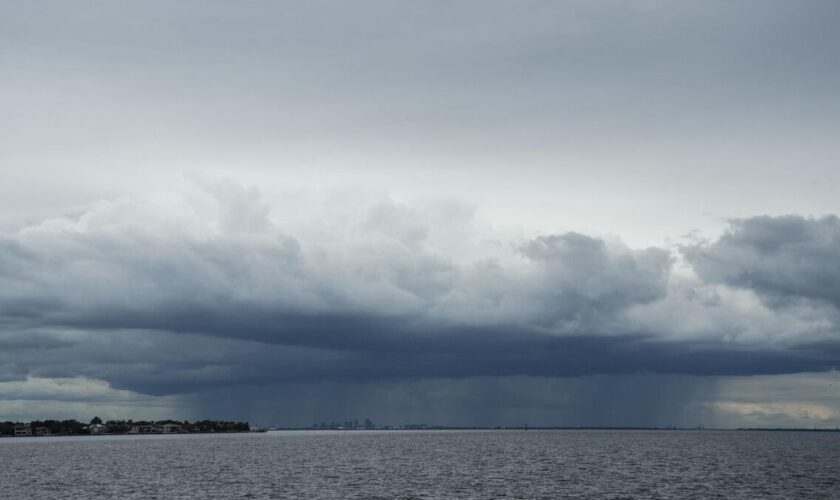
<point>426,464</point>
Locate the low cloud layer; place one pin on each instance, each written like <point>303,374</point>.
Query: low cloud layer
<point>220,287</point>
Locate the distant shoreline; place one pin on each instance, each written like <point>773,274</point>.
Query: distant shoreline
<point>445,428</point>
<point>575,428</point>
<point>98,427</point>
<point>128,434</point>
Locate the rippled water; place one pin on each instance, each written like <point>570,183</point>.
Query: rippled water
<point>426,464</point>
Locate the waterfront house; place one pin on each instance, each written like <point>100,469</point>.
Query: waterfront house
<point>97,429</point>
<point>42,431</point>
<point>23,430</point>
<point>170,428</point>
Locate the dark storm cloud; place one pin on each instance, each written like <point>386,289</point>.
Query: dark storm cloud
<point>166,304</point>
<point>783,259</point>
<point>166,363</point>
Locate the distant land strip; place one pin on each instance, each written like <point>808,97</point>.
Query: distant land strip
<point>98,427</point>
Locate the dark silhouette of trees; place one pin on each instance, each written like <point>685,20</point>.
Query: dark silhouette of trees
<point>74,427</point>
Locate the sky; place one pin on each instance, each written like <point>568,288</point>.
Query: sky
<point>454,213</point>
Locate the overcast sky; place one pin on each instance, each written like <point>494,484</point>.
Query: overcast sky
<point>465,213</point>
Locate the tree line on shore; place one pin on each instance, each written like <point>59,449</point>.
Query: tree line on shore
<point>98,426</point>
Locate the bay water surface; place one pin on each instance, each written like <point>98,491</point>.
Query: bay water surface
<point>426,464</point>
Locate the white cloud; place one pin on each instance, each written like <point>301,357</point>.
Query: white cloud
<point>82,398</point>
